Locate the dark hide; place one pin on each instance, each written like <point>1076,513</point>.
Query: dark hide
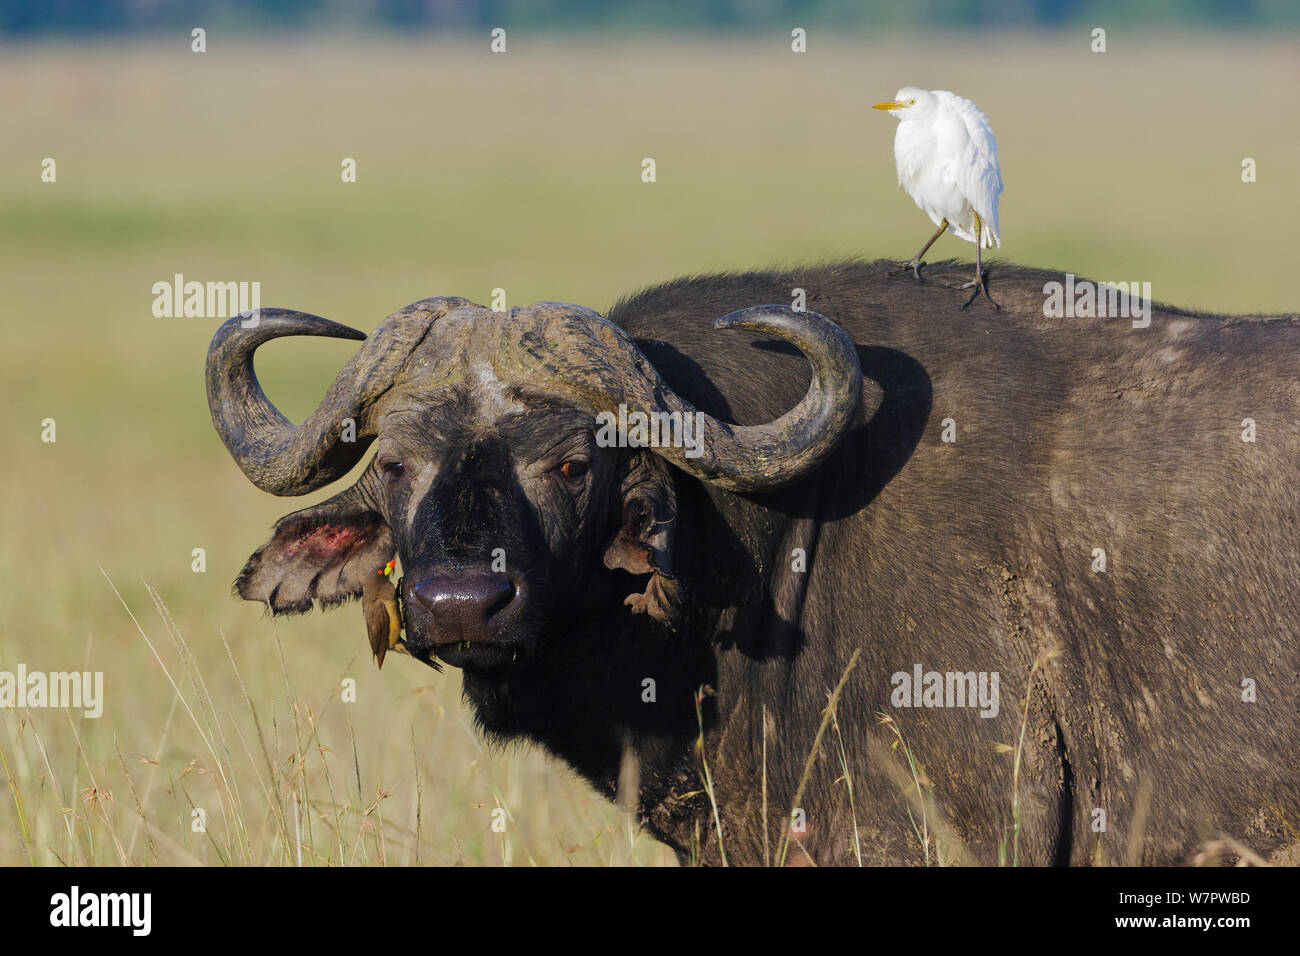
<point>973,555</point>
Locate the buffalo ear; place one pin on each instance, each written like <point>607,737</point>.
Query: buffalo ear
<point>323,553</point>
<point>645,537</point>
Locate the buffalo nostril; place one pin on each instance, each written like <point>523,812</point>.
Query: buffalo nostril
<point>505,597</point>
<point>464,606</point>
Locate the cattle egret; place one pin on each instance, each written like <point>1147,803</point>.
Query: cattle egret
<point>948,163</point>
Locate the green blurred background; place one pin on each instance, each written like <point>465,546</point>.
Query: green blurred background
<point>476,171</point>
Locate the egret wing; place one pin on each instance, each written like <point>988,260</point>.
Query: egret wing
<point>978,174</point>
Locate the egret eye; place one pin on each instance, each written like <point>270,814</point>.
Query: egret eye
<point>911,102</point>
<point>573,469</point>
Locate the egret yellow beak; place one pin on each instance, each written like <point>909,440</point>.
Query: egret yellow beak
<point>891,105</point>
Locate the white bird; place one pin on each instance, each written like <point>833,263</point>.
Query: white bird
<point>948,163</point>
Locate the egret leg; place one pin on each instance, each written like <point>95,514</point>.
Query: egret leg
<point>978,281</point>
<point>915,262</point>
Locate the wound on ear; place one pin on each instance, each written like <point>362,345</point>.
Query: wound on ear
<point>323,553</point>
<point>334,542</point>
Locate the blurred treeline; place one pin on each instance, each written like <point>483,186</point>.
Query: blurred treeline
<point>20,18</point>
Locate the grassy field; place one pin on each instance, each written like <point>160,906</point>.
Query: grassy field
<point>475,171</point>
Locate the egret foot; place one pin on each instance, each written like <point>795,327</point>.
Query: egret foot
<point>916,265</point>
<point>979,286</point>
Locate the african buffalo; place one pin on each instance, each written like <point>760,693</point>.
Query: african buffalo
<point>945,493</point>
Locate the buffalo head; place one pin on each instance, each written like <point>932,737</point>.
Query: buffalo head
<point>491,483</point>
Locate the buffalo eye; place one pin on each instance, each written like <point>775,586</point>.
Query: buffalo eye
<point>392,468</point>
<point>573,469</point>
